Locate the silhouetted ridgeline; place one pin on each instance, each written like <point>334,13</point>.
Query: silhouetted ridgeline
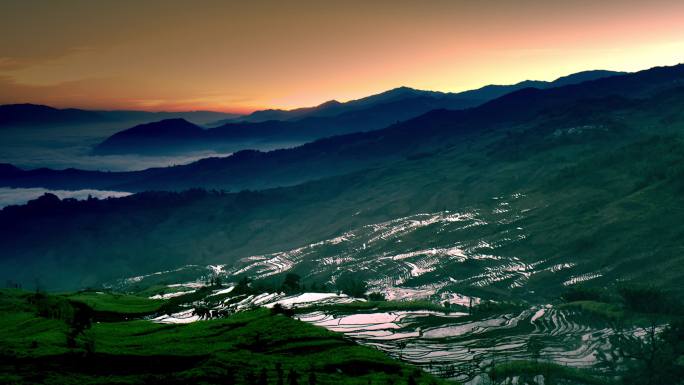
<point>305,124</point>
<point>32,114</point>
<point>39,115</point>
<point>336,155</point>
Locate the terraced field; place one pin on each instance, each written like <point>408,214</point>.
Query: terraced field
<point>445,258</point>
<point>449,343</point>
<point>453,345</point>
<point>442,256</point>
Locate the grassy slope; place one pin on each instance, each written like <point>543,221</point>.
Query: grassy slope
<point>116,303</point>
<point>226,351</point>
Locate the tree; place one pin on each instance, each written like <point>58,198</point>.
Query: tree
<point>652,358</point>
<point>645,299</point>
<point>280,309</point>
<point>243,286</point>
<point>292,283</point>
<point>376,296</point>
<point>80,321</point>
<point>293,377</point>
<point>250,379</point>
<point>534,347</point>
<point>351,285</point>
<point>263,377</point>
<point>279,372</point>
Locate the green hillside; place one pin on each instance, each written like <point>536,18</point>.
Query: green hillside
<point>247,348</point>
<point>597,185</point>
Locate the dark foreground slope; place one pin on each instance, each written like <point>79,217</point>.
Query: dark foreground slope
<point>239,349</point>
<point>585,191</point>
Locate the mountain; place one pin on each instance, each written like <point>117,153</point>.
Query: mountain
<point>167,132</point>
<point>580,77</point>
<point>521,197</point>
<point>278,114</point>
<point>333,107</point>
<point>197,117</point>
<point>382,110</point>
<point>330,118</point>
<point>310,128</point>
<point>32,114</point>
<point>346,153</point>
<point>458,100</point>
<point>40,115</point>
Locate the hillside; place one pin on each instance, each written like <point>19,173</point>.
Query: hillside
<point>234,350</point>
<point>168,133</point>
<point>352,152</point>
<point>520,209</point>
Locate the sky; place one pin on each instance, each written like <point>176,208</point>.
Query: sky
<point>238,56</point>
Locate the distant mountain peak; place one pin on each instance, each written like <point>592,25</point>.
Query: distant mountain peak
<point>27,106</point>
<point>167,130</point>
<point>584,76</point>
<point>402,90</point>
<point>330,103</point>
<point>172,126</point>
<point>37,114</point>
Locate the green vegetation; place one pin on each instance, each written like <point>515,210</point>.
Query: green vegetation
<point>628,303</point>
<point>234,350</point>
<point>112,304</point>
<point>609,311</point>
<point>656,317</point>
<point>552,373</point>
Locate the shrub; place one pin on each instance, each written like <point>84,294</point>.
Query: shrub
<point>351,285</point>
<point>645,299</point>
<point>375,296</point>
<point>582,293</point>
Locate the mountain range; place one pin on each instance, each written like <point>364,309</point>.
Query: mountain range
<point>521,196</point>
<point>346,153</point>
<point>466,98</point>
<point>24,115</point>
<point>306,124</point>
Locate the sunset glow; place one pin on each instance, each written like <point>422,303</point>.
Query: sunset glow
<point>241,56</point>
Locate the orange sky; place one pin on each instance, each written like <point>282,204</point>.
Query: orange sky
<point>246,55</point>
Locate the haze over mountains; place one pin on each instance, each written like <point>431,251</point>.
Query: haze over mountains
<point>39,115</point>
<point>65,142</point>
<point>305,124</point>
<point>36,136</point>
<point>346,153</point>
<point>559,182</point>
<point>410,208</point>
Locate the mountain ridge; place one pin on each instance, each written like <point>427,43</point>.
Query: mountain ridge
<point>347,153</point>
<point>28,114</point>
<point>491,207</point>
<point>330,118</point>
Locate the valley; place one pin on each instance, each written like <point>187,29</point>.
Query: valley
<point>533,238</point>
